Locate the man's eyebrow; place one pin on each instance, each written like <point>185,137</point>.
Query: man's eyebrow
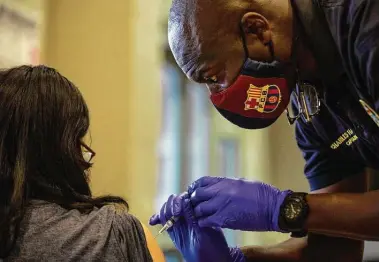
<point>193,71</point>
<point>195,76</point>
<point>196,67</point>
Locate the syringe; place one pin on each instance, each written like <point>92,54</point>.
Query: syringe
<point>168,224</point>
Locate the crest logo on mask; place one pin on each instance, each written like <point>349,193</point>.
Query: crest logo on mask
<point>263,99</point>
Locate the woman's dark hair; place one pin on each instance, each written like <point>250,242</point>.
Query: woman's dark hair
<point>43,119</point>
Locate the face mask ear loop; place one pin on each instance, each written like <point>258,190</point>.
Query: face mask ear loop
<point>294,51</point>
<point>270,46</point>
<point>243,39</point>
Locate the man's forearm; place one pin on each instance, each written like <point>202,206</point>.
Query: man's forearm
<point>353,216</point>
<point>336,214</point>
<point>288,251</point>
<point>315,248</point>
<point>337,223</point>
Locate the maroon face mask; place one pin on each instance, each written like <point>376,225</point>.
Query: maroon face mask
<point>257,98</point>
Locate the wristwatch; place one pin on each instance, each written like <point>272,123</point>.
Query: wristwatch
<point>293,214</point>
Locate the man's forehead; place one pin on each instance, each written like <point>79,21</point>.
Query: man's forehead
<point>188,46</point>
<point>198,59</point>
<point>204,20</point>
<point>200,36</point>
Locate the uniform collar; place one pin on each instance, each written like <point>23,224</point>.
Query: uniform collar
<point>312,22</point>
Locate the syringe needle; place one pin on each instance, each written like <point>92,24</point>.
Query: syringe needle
<point>166,226</point>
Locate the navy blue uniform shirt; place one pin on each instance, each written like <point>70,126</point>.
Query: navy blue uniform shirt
<point>343,139</point>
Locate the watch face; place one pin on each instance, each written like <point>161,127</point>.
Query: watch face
<point>292,210</point>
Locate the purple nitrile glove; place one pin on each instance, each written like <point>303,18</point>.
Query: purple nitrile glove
<point>236,204</point>
<point>194,243</point>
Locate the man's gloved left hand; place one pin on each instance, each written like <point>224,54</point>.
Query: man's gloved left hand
<point>196,244</point>
<point>236,204</point>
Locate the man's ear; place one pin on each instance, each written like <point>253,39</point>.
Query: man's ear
<point>257,26</point>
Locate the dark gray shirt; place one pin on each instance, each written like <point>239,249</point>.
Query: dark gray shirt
<point>52,233</point>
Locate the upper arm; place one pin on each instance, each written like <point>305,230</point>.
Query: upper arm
<point>130,237</point>
<point>326,248</point>
<point>153,246</point>
<point>325,167</point>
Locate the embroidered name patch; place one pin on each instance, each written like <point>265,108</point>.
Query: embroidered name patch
<point>347,138</point>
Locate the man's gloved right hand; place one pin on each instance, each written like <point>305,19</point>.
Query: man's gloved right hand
<point>196,244</point>
<point>236,204</point>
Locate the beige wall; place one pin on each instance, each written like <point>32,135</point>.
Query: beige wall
<point>103,48</point>
<point>29,6</point>
<point>288,163</point>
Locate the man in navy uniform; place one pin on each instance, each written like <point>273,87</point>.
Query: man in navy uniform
<point>256,56</point>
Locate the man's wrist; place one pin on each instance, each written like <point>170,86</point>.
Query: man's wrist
<point>273,253</point>
<point>293,214</point>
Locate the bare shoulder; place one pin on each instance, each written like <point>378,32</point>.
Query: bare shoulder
<point>153,246</point>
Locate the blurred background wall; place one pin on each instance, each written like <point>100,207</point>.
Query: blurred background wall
<point>154,132</point>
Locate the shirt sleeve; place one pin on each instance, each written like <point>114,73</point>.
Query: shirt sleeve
<point>363,46</point>
<point>131,237</point>
<point>323,166</point>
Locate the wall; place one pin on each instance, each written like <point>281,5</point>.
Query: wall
<point>19,32</point>
<point>288,162</point>
<point>111,52</point>
<point>27,6</point>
